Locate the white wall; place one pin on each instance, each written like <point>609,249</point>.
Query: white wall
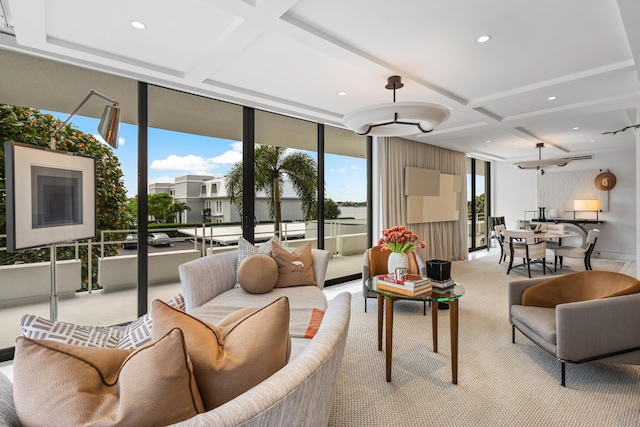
<point>515,191</point>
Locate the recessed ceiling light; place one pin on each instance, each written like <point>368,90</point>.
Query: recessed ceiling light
<point>515,150</point>
<point>487,141</point>
<point>592,140</point>
<point>552,98</point>
<point>139,25</point>
<point>342,93</point>
<point>483,39</point>
<point>576,128</point>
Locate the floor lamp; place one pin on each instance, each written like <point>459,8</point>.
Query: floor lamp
<point>108,129</point>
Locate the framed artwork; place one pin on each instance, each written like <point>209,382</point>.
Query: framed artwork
<point>50,196</point>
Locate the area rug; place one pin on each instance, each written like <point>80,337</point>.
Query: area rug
<point>499,383</point>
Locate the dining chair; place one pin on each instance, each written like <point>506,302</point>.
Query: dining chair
<point>553,243</point>
<point>493,222</point>
<point>577,251</point>
<point>499,231</point>
<point>524,244</point>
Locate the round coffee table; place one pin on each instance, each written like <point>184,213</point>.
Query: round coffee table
<point>385,305</point>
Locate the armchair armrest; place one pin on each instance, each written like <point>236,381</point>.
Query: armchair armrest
<point>205,278</point>
<point>595,328</point>
<point>320,264</point>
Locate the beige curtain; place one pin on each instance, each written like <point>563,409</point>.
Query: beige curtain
<point>445,240</point>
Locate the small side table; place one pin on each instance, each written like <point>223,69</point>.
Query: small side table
<point>386,300</point>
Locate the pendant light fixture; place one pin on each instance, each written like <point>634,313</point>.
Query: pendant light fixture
<point>540,164</point>
<point>396,118</point>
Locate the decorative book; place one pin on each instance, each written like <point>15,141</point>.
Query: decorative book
<point>400,289</point>
<point>411,281</point>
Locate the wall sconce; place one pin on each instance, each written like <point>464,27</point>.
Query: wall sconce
<point>588,205</point>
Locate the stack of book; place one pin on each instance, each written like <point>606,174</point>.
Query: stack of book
<point>442,287</point>
<point>413,284</point>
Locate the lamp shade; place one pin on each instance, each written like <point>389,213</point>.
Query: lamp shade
<point>586,205</point>
<point>109,125</point>
<point>396,118</point>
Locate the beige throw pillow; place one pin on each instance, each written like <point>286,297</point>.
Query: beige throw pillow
<point>69,385</point>
<point>246,249</point>
<point>294,268</point>
<point>258,274</point>
<point>229,360</point>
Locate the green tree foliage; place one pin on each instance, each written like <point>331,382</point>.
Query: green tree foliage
<point>159,204</point>
<point>30,126</point>
<point>331,209</point>
<point>272,166</point>
<point>479,207</point>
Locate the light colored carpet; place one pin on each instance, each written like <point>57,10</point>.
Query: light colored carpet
<point>499,383</point>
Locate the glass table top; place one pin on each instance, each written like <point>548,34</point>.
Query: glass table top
<point>454,293</point>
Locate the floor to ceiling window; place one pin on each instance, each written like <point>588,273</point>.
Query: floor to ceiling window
<point>345,207</point>
<point>478,202</point>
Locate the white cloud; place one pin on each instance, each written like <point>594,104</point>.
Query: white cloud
<point>189,162</point>
<point>354,167</point>
<point>228,158</point>
<point>342,170</point>
<point>332,170</point>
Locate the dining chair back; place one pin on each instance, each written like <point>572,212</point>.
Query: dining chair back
<point>578,252</point>
<point>524,244</point>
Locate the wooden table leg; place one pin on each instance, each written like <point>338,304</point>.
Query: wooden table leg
<point>434,325</point>
<point>389,335</point>
<point>453,324</point>
<point>380,314</point>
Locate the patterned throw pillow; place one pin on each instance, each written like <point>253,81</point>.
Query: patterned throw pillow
<point>133,335</point>
<point>246,249</point>
<point>87,336</point>
<point>138,332</point>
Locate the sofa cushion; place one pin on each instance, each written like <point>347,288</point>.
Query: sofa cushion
<point>258,274</point>
<point>294,268</point>
<point>246,249</point>
<point>541,320</point>
<point>73,385</point>
<point>581,286</point>
<point>303,302</point>
<point>228,362</point>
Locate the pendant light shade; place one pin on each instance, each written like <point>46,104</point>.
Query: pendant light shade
<point>541,164</point>
<point>396,118</point>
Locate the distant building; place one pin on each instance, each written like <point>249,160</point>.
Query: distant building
<point>200,192</point>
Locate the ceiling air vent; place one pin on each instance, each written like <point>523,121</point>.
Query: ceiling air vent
<point>585,157</point>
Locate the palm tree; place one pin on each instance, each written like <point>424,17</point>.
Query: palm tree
<point>273,166</point>
<point>176,209</point>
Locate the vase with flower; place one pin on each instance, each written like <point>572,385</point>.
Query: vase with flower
<point>399,241</point>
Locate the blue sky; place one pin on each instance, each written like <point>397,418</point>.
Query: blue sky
<point>172,154</point>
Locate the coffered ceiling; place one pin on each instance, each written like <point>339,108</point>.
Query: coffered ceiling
<point>296,56</point>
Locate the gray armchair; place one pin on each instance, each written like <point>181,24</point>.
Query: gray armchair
<point>368,271</point>
<point>579,317</point>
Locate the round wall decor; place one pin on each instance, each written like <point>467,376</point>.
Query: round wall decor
<point>605,181</point>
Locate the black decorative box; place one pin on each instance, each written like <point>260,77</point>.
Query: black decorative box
<point>438,269</point>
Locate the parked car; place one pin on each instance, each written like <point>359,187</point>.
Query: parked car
<point>159,239</point>
<point>131,242</point>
